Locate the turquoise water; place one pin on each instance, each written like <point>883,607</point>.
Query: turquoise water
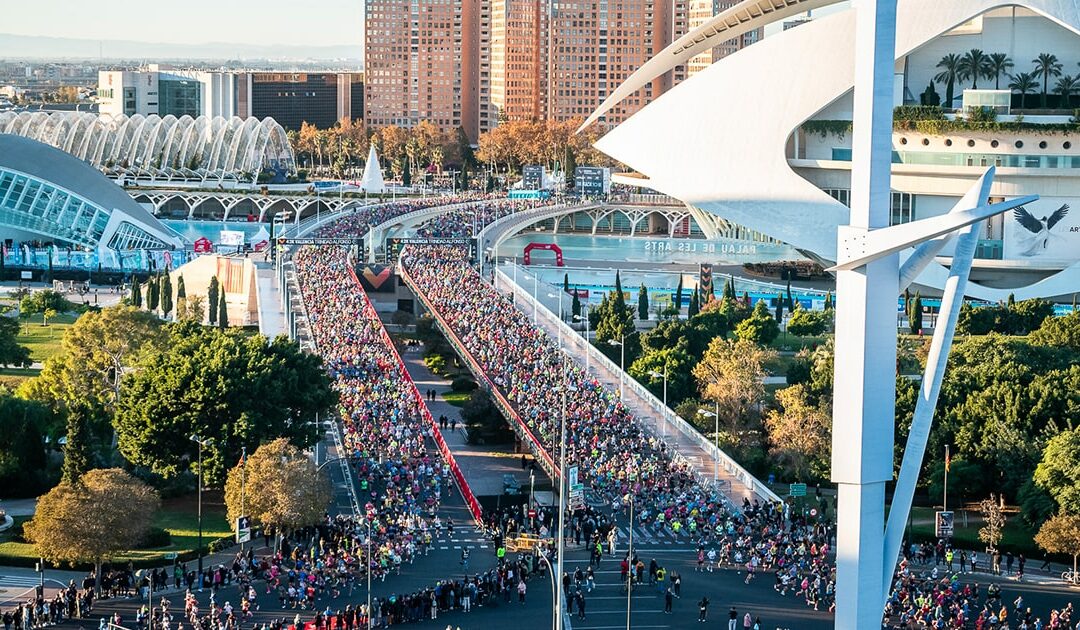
<point>190,231</point>
<point>649,250</point>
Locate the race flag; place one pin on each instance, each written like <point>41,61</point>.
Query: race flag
<point>948,459</point>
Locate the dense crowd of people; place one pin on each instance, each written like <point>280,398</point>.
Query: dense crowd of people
<point>468,221</point>
<point>617,459</point>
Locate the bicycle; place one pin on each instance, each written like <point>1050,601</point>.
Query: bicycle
<point>1070,576</point>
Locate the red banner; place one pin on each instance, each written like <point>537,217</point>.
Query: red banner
<point>455,470</point>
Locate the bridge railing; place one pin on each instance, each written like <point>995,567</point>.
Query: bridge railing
<point>508,411</point>
<point>656,406</point>
<point>500,226</point>
<point>381,229</point>
<point>448,456</point>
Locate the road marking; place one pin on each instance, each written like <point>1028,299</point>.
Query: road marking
<point>614,627</point>
<point>17,581</point>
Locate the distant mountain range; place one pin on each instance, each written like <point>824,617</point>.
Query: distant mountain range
<point>32,47</point>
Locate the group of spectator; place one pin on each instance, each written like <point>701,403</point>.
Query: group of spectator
<point>468,221</point>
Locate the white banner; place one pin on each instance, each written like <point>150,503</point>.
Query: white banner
<point>1046,231</point>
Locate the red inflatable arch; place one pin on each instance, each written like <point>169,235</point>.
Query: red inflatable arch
<point>545,246</point>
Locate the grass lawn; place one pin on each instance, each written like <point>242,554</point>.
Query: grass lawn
<point>457,399</point>
<point>786,342</point>
<point>12,377</point>
<point>44,341</point>
<point>178,516</point>
<point>1017,536</point>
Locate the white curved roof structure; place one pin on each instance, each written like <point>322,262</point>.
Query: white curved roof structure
<point>717,140</point>
<point>54,196</point>
<point>151,146</point>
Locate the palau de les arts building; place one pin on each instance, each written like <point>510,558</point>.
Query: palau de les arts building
<point>763,137</point>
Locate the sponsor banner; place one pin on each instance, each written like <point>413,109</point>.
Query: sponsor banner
<point>376,278</point>
<point>592,180</point>
<point>705,284</point>
<point>1044,231</point>
<point>395,245</point>
<point>232,238</point>
<point>532,177</point>
<point>943,525</point>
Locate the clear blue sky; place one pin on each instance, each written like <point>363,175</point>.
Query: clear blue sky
<point>291,22</point>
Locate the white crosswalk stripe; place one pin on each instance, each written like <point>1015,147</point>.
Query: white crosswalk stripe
<point>18,581</point>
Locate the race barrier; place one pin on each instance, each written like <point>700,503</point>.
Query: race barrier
<point>455,470</point>
<point>519,426</point>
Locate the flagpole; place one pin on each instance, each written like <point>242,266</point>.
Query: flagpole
<point>945,485</point>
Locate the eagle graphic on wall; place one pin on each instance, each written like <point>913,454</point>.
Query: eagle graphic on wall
<point>1039,228</point>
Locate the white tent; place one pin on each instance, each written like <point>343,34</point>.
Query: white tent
<point>373,180</point>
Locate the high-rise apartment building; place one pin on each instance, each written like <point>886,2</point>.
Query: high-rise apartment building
<point>700,12</point>
<point>418,64</point>
<point>471,63</point>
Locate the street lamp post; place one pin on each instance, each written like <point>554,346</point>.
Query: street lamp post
<point>552,295</point>
<point>201,442</point>
<point>655,374</point>
<point>622,363</point>
<point>716,436</point>
<point>369,571</point>
<point>585,318</point>
<point>534,309</point>
<point>629,559</point>
<point>561,541</point>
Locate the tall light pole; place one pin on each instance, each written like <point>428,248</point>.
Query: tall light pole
<point>585,318</point>
<point>716,437</point>
<point>369,517</point>
<point>622,362</point>
<point>243,486</point>
<point>201,442</point>
<point>629,559</point>
<point>561,540</point>
<point>655,374</point>
<point>534,296</point>
<point>552,295</point>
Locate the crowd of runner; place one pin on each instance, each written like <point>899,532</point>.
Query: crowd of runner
<point>617,460</point>
<point>468,221</point>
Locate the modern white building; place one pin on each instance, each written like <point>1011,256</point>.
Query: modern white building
<point>764,135</point>
<point>164,92</point>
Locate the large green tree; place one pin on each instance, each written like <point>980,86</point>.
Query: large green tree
<point>760,328</point>
<point>166,294</point>
<point>1062,332</point>
<point>676,362</point>
<point>11,353</point>
<point>212,300</point>
<point>26,424</point>
<point>236,389</point>
<point>1059,471</point>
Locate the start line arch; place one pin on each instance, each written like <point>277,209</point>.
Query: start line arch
<point>527,258</point>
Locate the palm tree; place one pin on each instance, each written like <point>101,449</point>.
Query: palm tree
<point>975,64</point>
<point>951,72</point>
<point>1048,66</point>
<point>1066,87</point>
<point>1024,83</point>
<point>1000,64</point>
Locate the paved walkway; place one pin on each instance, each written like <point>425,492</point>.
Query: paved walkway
<point>271,316</point>
<point>482,466</point>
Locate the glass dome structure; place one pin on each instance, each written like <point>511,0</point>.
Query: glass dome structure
<point>201,148</point>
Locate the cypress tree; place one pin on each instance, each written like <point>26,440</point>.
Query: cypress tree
<point>780,307</point>
<point>152,293</point>
<point>828,300</point>
<point>223,314</point>
<point>212,300</point>
<point>915,314</point>
<point>643,302</point>
<point>181,292</point>
<point>678,298</point>
<point>136,293</point>
<point>166,294</point>
<point>729,288</point>
<point>77,447</point>
<point>790,300</point>
<point>746,298</point>
<point>575,306</point>
<point>406,176</point>
<point>566,283</point>
<point>694,307</point>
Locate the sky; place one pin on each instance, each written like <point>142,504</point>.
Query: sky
<point>293,22</point>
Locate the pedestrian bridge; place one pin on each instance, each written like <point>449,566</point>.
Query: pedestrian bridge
<point>711,464</point>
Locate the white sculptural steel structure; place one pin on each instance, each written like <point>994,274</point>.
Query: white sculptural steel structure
<point>751,183</point>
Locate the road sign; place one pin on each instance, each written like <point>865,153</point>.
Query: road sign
<point>243,529</point>
<point>797,489</point>
<point>172,555</point>
<point>943,524</point>
<point>572,477</point>
<point>532,513</point>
